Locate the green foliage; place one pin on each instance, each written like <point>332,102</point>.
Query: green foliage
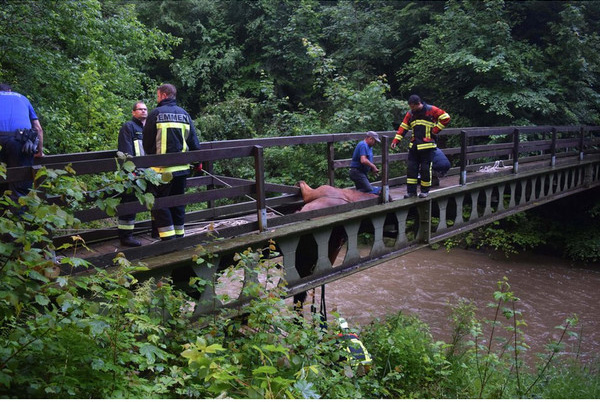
<point>407,362</point>
<point>352,109</point>
<point>469,64</point>
<point>79,63</point>
<point>107,335</point>
<point>246,68</point>
<point>518,232</point>
<point>575,77</point>
<point>288,165</point>
<point>70,336</point>
<point>492,351</point>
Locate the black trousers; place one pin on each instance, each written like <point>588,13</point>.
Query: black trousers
<point>170,221</point>
<point>419,161</point>
<point>13,157</point>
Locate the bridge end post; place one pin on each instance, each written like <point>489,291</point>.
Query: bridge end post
<point>463,157</point>
<point>553,148</point>
<point>385,187</point>
<point>581,142</point>
<point>330,160</point>
<point>516,143</point>
<point>259,174</point>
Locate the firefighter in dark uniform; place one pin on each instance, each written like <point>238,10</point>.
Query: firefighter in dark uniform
<point>130,143</point>
<point>425,121</point>
<point>170,129</point>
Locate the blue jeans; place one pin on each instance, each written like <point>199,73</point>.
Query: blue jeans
<point>361,181</point>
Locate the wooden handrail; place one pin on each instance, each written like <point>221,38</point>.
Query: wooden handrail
<point>557,141</point>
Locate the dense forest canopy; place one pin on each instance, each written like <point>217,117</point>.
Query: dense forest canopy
<point>247,68</point>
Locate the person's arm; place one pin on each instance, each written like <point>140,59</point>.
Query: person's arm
<point>125,141</point>
<point>192,141</point>
<point>443,119</point>
<point>404,127</point>
<point>365,161</point>
<point>149,134</point>
<point>38,127</point>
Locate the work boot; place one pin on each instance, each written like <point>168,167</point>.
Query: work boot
<point>129,241</point>
<point>410,195</point>
<point>423,195</point>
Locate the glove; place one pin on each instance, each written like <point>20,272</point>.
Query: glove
<point>395,142</point>
<point>197,168</point>
<point>29,148</point>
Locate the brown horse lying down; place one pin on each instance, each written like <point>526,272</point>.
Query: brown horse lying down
<point>317,198</point>
<point>328,196</point>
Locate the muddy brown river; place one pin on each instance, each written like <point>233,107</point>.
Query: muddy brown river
<point>427,282</point>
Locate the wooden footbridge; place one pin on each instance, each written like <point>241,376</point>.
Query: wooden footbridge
<point>521,168</point>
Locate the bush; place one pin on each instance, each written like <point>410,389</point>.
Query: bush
<point>406,360</point>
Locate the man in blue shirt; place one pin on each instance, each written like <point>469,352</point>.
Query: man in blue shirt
<point>17,117</point>
<point>362,163</point>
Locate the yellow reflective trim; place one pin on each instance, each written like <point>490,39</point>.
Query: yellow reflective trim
<point>177,168</point>
<point>125,227</point>
<point>183,141</point>
<point>427,145</point>
<point>405,126</point>
<point>411,181</point>
<point>444,116</point>
<point>162,129</point>
<point>425,123</point>
<point>138,148</point>
<point>166,234</point>
<point>166,231</point>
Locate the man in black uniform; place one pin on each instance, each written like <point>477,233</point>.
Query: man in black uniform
<point>130,143</point>
<point>170,129</point>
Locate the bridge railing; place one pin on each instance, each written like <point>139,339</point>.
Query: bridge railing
<point>545,145</point>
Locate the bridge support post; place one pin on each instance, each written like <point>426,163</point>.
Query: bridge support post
<point>401,237</point>
<point>208,300</point>
<point>288,249</point>
<point>352,255</point>
<point>588,176</point>
<point>378,245</point>
<point>443,206</point>
<point>459,200</point>
<point>424,233</point>
<point>488,202</point>
<point>322,238</point>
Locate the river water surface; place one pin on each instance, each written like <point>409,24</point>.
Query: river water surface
<point>426,282</point>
